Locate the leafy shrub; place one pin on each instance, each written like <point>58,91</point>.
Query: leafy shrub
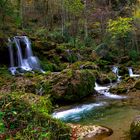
<point>134,55</point>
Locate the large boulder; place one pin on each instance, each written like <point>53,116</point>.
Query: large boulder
<point>72,85</point>
<point>120,89</point>
<point>135,129</point>
<point>103,78</point>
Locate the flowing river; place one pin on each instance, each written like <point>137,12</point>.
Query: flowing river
<point>113,111</point>
<point>115,114</point>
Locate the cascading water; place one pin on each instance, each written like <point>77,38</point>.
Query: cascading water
<point>27,62</point>
<point>105,91</point>
<point>77,112</point>
<point>131,73</point>
<point>12,68</point>
<point>115,70</point>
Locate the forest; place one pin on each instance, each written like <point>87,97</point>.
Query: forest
<point>69,70</point>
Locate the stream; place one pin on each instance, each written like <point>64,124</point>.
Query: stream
<point>113,111</point>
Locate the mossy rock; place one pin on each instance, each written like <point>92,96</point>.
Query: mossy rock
<point>118,90</point>
<point>84,65</point>
<point>72,85</point>
<point>135,129</point>
<point>106,78</point>
<point>70,56</point>
<point>137,85</point>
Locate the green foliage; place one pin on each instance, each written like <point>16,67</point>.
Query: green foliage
<point>25,120</point>
<point>134,55</point>
<point>41,32</point>
<point>2,127</point>
<point>120,27</point>
<point>74,6</point>
<point>56,36</point>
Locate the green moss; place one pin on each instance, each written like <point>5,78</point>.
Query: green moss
<point>78,85</point>
<point>25,116</point>
<point>84,65</point>
<point>137,85</point>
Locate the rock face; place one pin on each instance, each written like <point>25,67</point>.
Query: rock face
<point>135,129</point>
<point>72,85</point>
<point>89,132</point>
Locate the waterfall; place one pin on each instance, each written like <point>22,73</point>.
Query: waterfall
<point>28,62</point>
<point>131,73</point>
<point>115,70</point>
<point>28,46</point>
<point>12,68</point>
<point>104,90</point>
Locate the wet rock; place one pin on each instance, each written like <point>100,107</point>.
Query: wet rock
<point>89,132</point>
<point>135,129</point>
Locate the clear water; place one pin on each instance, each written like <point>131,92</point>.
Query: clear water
<point>115,114</point>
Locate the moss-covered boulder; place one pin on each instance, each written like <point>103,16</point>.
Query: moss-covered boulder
<point>137,85</point>
<point>72,85</point>
<point>120,89</point>
<point>103,78</point>
<point>126,85</point>
<point>135,129</point>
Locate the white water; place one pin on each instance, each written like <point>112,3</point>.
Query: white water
<point>105,91</point>
<point>115,70</point>
<point>76,112</point>
<point>131,73</point>
<point>27,62</point>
